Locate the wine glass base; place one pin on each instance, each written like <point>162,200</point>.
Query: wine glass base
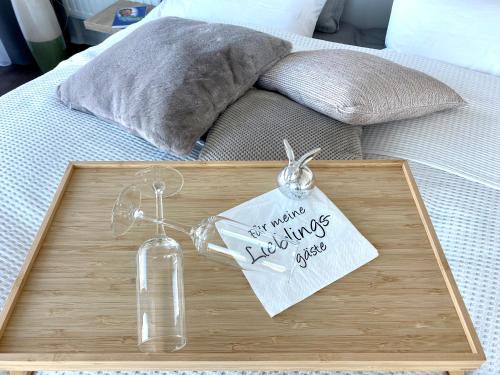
<point>124,211</point>
<point>170,178</point>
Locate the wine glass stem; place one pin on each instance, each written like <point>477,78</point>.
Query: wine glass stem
<point>163,223</point>
<point>160,229</point>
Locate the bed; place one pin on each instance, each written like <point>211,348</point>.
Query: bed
<point>454,156</point>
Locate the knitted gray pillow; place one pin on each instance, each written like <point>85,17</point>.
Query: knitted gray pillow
<point>357,88</point>
<point>169,80</point>
<point>253,128</point>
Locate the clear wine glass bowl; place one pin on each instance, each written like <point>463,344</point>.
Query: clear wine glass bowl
<point>228,241</point>
<point>161,325</point>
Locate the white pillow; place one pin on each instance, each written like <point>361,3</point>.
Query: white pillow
<point>461,32</point>
<point>296,16</point>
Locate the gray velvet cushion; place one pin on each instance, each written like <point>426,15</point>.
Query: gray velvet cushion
<point>253,128</point>
<point>358,88</point>
<point>169,80</point>
<point>329,18</point>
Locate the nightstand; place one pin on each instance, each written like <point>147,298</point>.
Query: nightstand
<point>102,21</point>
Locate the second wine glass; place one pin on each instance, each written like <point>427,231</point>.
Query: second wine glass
<point>218,238</point>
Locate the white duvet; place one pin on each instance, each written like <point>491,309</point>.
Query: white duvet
<point>455,157</point>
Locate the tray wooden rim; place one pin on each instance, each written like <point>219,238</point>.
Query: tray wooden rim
<point>244,361</point>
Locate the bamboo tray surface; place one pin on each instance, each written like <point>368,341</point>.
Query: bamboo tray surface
<point>73,305</point>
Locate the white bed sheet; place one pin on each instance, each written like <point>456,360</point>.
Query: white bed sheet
<point>455,156</point>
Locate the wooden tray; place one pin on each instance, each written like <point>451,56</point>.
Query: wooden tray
<point>73,304</point>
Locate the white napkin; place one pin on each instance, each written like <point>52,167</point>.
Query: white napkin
<point>330,247</point>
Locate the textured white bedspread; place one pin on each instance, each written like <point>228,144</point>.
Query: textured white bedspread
<point>456,161</point>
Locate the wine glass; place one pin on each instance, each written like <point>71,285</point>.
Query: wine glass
<point>219,238</point>
<point>157,182</point>
<point>161,325</point>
